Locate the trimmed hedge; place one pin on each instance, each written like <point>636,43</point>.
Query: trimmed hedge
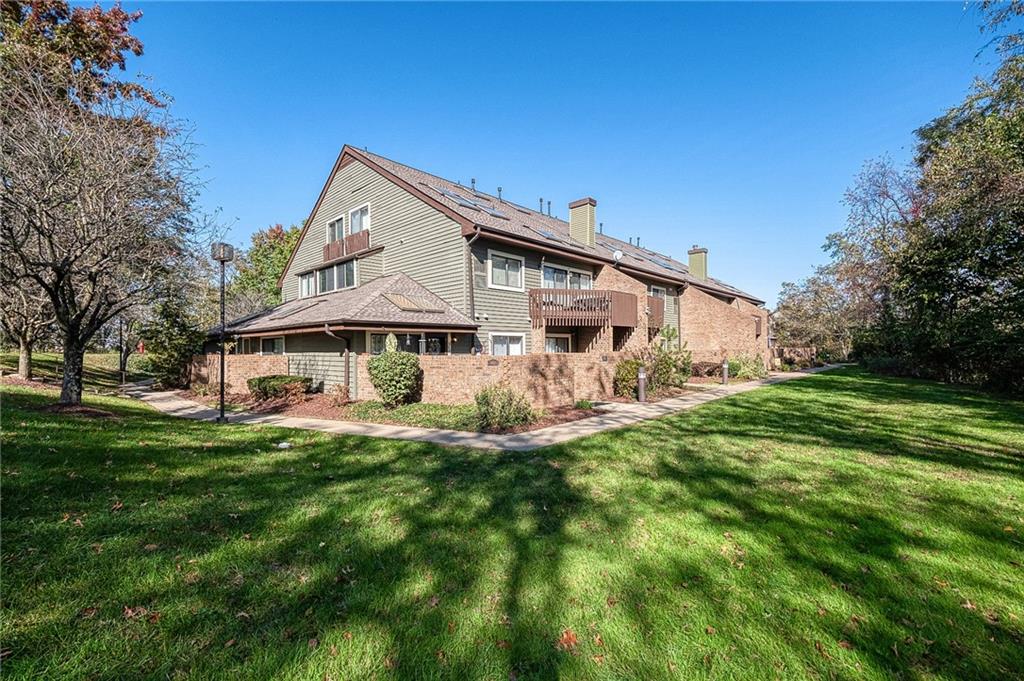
<point>395,377</point>
<point>279,385</point>
<point>625,381</point>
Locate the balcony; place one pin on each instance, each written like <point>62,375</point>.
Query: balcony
<point>582,307</point>
<point>655,312</point>
<point>353,243</point>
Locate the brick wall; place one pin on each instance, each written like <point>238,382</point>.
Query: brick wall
<point>609,277</point>
<point>546,379</point>
<point>714,329</point>
<point>239,369</point>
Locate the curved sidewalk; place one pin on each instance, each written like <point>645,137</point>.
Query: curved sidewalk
<point>618,416</point>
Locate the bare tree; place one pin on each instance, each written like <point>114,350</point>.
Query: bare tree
<point>25,314</point>
<point>96,198</point>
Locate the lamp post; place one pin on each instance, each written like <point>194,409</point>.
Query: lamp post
<point>222,253</point>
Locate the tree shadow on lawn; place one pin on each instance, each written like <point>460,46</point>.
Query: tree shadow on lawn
<point>351,557</point>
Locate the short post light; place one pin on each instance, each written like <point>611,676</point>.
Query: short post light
<point>725,372</point>
<point>641,384</point>
<point>222,253</point>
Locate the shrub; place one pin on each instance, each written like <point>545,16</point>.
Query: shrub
<point>747,366</point>
<point>172,338</point>
<point>279,385</point>
<point>584,404</point>
<point>339,394</point>
<point>139,364</point>
<point>395,377</point>
<point>500,408</point>
<point>625,381</point>
<point>707,369</point>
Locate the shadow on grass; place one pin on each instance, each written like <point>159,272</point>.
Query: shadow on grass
<point>750,537</point>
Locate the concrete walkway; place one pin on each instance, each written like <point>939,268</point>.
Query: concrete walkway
<point>618,415</point>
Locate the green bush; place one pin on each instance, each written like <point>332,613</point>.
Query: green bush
<point>747,366</point>
<point>500,408</point>
<point>172,338</point>
<point>584,404</point>
<point>395,377</point>
<point>139,364</point>
<point>279,385</point>
<point>625,381</point>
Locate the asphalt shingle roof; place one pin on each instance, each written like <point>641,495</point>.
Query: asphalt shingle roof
<point>366,305</point>
<point>506,217</point>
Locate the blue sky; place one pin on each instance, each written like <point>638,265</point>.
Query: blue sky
<point>735,126</point>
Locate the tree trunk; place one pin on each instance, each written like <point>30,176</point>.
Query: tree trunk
<point>25,358</point>
<point>71,389</point>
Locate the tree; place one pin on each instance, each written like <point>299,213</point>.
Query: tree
<point>816,312</point>
<point>96,196</point>
<point>25,315</point>
<point>172,337</point>
<point>260,268</point>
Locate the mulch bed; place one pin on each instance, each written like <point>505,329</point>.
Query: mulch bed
<point>77,410</point>
<point>320,406</point>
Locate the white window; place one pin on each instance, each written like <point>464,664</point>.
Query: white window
<point>506,343</point>
<point>307,285</point>
<point>272,346</point>
<point>656,291</point>
<point>505,271</point>
<point>359,219</point>
<point>336,229</point>
<point>560,277</point>
<point>346,275</point>
<point>325,280</point>
<point>558,343</point>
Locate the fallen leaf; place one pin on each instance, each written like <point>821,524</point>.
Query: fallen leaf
<point>151,547</point>
<point>967,605</point>
<point>243,615</point>
<point>154,617</point>
<point>440,656</point>
<point>846,645</point>
<point>230,643</point>
<point>709,630</point>
<point>503,644</point>
<point>612,601</point>
<point>118,505</point>
<point>567,641</point>
<point>598,641</point>
<point>313,643</point>
<point>434,600</point>
<point>1008,528</point>
<point>347,636</point>
<point>87,613</point>
<point>599,659</point>
<point>334,651</point>
<point>821,649</point>
<point>389,662</point>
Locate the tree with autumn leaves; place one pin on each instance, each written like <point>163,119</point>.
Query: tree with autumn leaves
<point>96,181</point>
<point>928,277</point>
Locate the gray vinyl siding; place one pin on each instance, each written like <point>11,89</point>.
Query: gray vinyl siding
<point>418,240</point>
<point>498,310</point>
<point>322,358</point>
<point>671,305</point>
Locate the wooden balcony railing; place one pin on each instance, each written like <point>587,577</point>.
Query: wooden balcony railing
<point>353,243</point>
<point>655,312</point>
<point>582,307</point>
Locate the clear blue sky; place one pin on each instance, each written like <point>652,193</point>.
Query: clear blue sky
<point>735,126</point>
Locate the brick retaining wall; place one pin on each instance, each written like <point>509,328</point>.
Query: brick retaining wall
<point>546,379</point>
<point>240,368</point>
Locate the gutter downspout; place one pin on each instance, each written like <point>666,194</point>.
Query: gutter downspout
<point>472,277</point>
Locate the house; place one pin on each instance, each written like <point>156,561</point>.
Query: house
<point>451,270</point>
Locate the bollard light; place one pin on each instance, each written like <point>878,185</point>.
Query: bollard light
<point>725,372</point>
<point>641,384</point>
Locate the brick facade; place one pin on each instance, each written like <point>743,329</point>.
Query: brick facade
<point>546,379</point>
<point>714,329</point>
<point>240,368</point>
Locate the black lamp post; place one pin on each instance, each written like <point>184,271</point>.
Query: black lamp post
<point>222,253</point>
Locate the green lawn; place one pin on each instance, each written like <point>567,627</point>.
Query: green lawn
<point>838,526</point>
<point>99,374</point>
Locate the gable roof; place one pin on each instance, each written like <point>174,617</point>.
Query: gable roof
<point>511,219</point>
<point>474,209</point>
<point>393,300</point>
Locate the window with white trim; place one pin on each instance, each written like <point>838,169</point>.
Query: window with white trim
<point>507,343</point>
<point>325,280</point>
<point>359,219</point>
<point>656,291</point>
<point>272,346</point>
<point>560,277</point>
<point>307,285</point>
<point>505,271</point>
<point>336,277</point>
<point>336,229</point>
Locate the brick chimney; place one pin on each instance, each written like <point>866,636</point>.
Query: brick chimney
<point>698,262</point>
<point>583,220</point>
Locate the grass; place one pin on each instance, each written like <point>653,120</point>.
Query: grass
<point>838,526</point>
<point>100,371</point>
